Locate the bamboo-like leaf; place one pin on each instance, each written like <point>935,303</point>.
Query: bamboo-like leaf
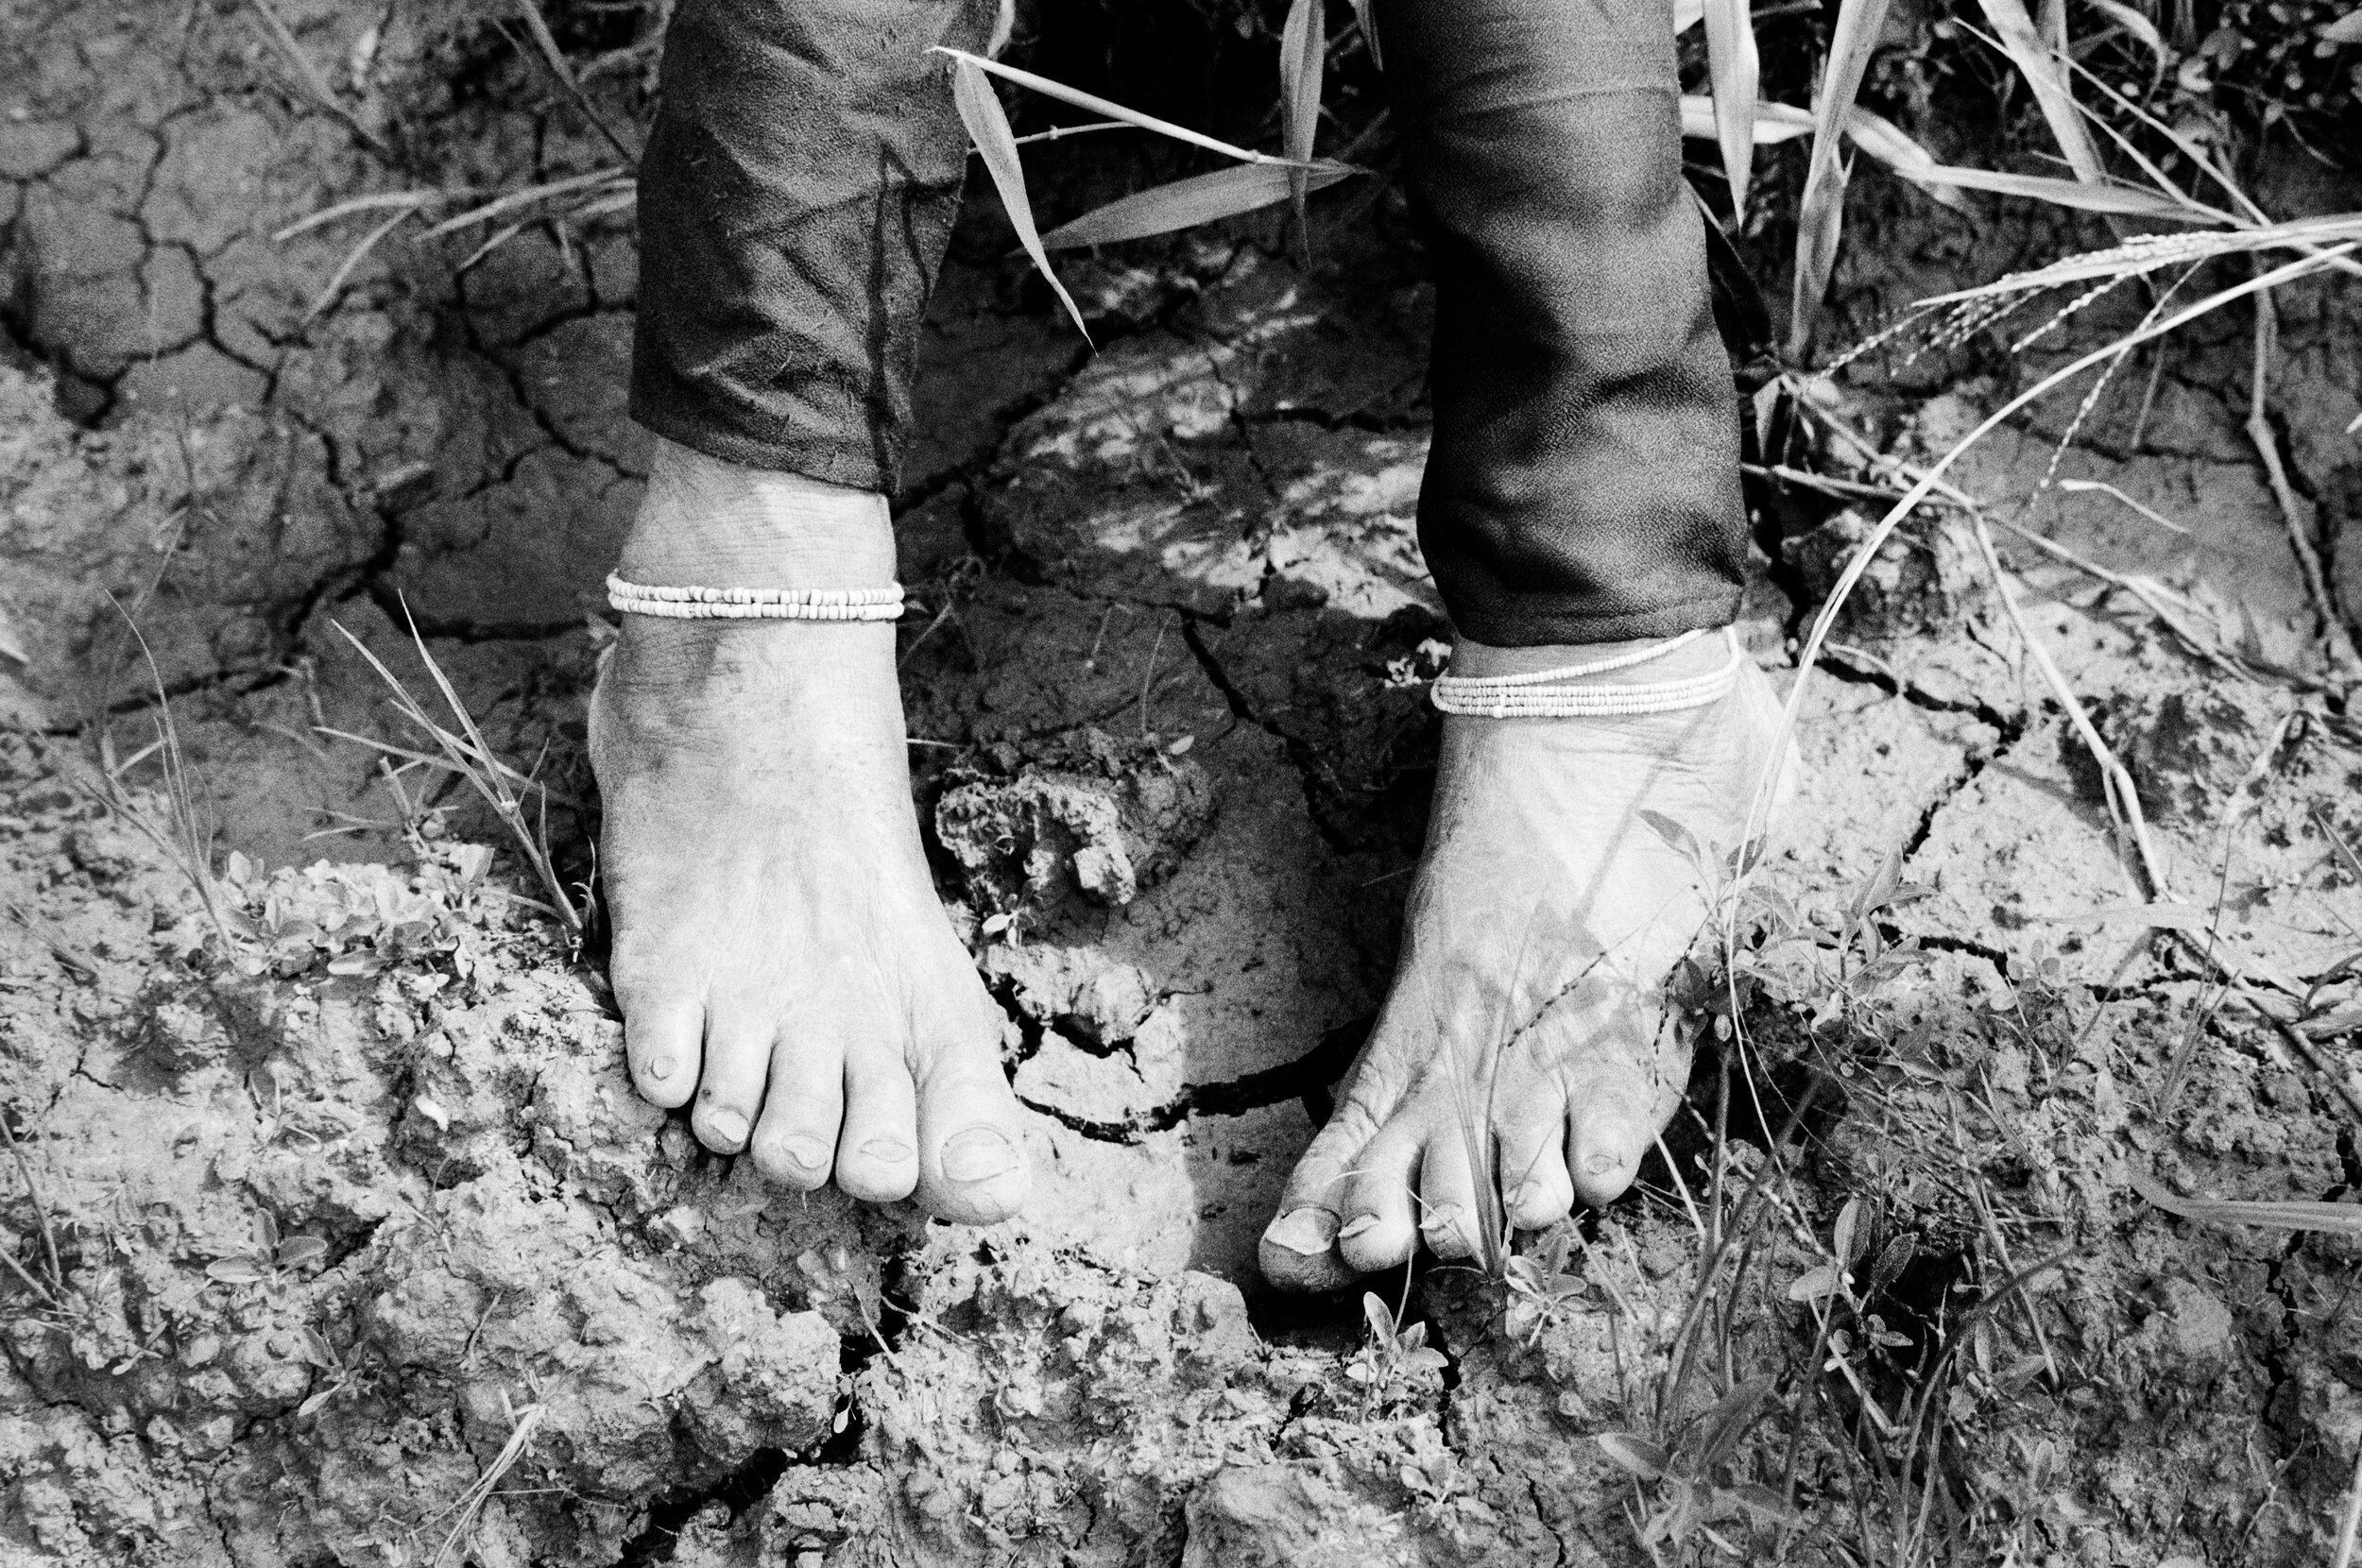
<point>1184,203</point>
<point>1303,50</point>
<point>1364,13</point>
<point>1820,217</point>
<point>1731,62</point>
<point>2100,196</point>
<point>2040,66</point>
<point>1773,123</point>
<point>989,127</point>
<point>1098,105</point>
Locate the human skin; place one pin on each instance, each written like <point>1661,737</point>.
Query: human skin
<point>785,969</point>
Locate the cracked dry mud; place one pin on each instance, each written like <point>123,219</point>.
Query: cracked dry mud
<point>363,1252</point>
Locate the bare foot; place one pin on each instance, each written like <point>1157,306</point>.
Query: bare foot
<point>1547,917</point>
<point>779,948</point>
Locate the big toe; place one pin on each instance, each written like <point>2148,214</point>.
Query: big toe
<point>1299,1250</point>
<point>1299,1247</point>
<point>663,1039</point>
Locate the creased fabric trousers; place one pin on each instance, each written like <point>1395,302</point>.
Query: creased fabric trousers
<point>1583,482</point>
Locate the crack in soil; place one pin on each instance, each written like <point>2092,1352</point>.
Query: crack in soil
<point>1308,1074</point>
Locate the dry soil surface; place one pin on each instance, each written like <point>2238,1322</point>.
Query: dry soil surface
<point>339,1235</point>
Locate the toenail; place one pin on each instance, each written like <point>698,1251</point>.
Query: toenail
<point>978,1154</point>
<point>1357,1224</point>
<point>728,1126</point>
<point>803,1151</point>
<point>661,1067</point>
<point>1440,1218</point>
<point>1307,1231</point>
<point>1601,1165</point>
<point>886,1150</point>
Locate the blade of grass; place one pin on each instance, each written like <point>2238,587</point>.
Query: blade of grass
<point>2295,512</point>
<point>335,284</point>
<point>1303,51</point>
<point>2073,486</point>
<point>553,62</point>
<point>1363,13</point>
<point>501,206</point>
<point>1823,623</point>
<point>1820,216</point>
<point>1096,105</point>
<point>1185,203</point>
<point>2124,800</point>
<point>2092,196</point>
<point>1733,66</point>
<point>989,127</point>
<point>468,754</point>
<point>41,1210</point>
<point>378,202</point>
<point>2332,1219</point>
<point>277,34</point>
<point>2038,64</point>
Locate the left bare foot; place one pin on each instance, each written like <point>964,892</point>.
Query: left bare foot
<point>1546,920</point>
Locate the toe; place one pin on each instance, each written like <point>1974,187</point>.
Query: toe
<point>737,1058</point>
<point>1299,1247</point>
<point>1537,1190</point>
<point>795,1142</point>
<point>876,1153</point>
<point>1452,1220</point>
<point>1609,1128</point>
<point>973,1164</point>
<point>1378,1230</point>
<point>662,1042</point>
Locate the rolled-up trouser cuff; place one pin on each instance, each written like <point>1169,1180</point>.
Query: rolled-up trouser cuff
<point>798,192</point>
<point>1583,482</point>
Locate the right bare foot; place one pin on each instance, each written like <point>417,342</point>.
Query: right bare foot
<point>779,948</point>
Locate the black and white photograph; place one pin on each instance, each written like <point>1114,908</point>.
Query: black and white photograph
<point>1180,783</point>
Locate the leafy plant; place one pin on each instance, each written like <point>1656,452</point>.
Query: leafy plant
<point>313,1348</point>
<point>1540,1287</point>
<point>1695,1482</point>
<point>1395,1360</point>
<point>271,1260</point>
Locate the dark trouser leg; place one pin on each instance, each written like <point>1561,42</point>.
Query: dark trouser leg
<point>793,206</point>
<point>1583,482</point>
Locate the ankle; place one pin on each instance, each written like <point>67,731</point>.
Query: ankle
<point>708,523</point>
<point>1701,655</point>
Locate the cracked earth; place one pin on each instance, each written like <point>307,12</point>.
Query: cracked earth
<point>359,1249</point>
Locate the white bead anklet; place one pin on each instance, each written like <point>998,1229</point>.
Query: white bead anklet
<point>1538,694</point>
<point>707,604</point>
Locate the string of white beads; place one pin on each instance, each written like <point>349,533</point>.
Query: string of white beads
<point>712,604</point>
<point>1544,694</point>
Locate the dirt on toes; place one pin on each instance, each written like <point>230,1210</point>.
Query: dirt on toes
<point>334,1232</point>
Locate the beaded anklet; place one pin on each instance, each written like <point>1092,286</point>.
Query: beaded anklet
<point>1538,694</point>
<point>706,603</point>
